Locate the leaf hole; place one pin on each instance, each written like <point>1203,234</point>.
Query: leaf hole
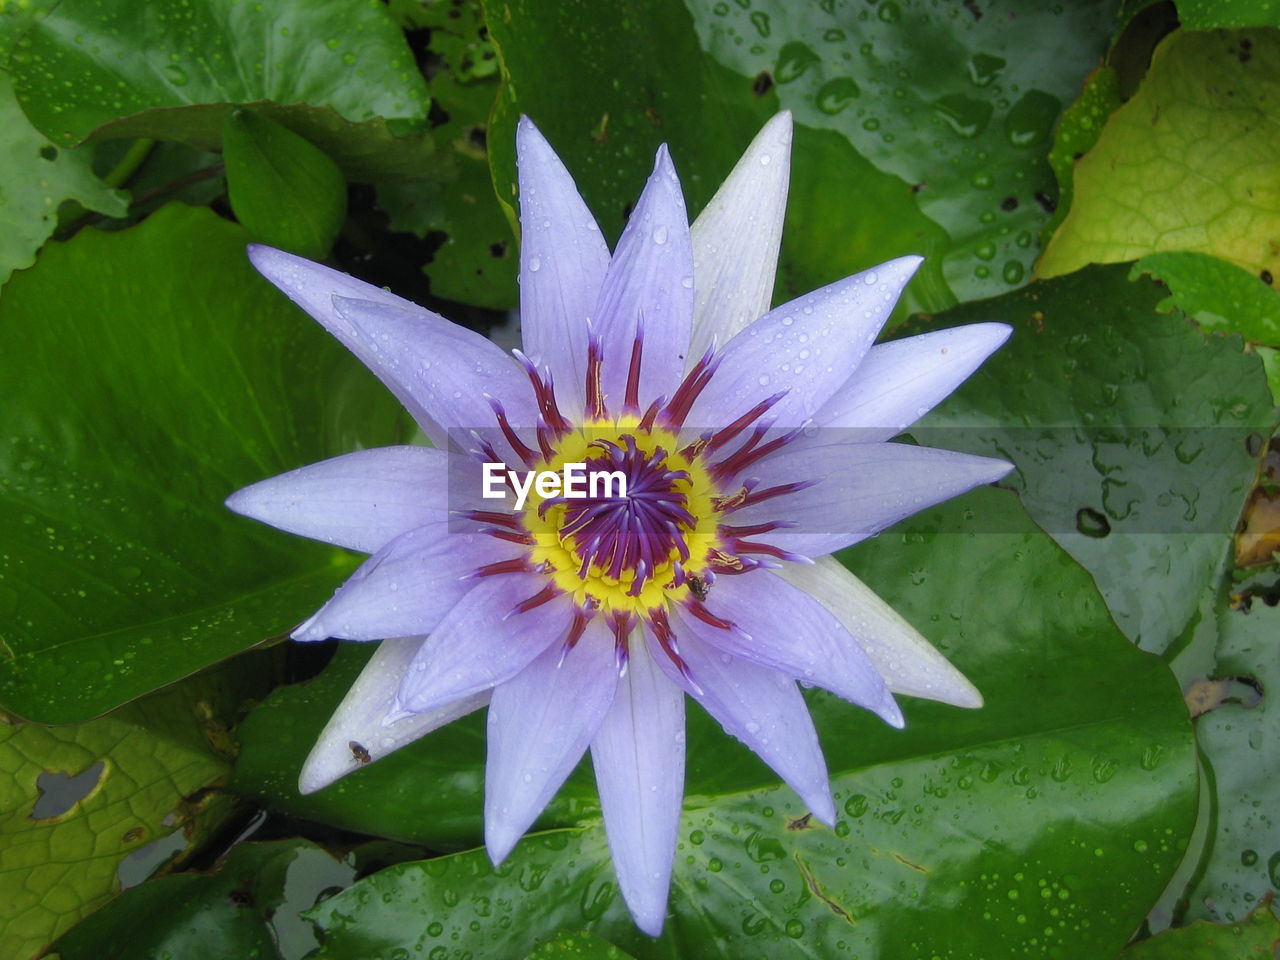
<point>61,792</point>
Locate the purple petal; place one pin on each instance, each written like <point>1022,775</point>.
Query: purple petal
<point>760,707</point>
<point>651,277</point>
<point>780,627</point>
<point>860,489</point>
<point>900,381</point>
<point>540,723</point>
<point>361,718</point>
<point>563,259</point>
<point>908,662</point>
<point>477,645</point>
<point>408,586</point>
<point>361,500</point>
<point>638,756</point>
<point>313,287</point>
<point>451,372</point>
<point>807,348</point>
<point>736,239</point>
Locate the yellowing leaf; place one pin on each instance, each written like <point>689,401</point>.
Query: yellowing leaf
<point>131,771</point>
<point>1187,164</point>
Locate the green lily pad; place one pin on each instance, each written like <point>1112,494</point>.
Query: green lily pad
<point>1208,14</point>
<point>1220,295</point>
<point>283,190</point>
<point>39,177</point>
<point>1187,164</point>
<point>953,114</point>
<point>1242,862</point>
<point>1135,435</point>
<point>1055,814</point>
<point>1256,937</point>
<point>248,908</point>
<point>477,259</point>
<point>150,373</point>
<point>580,944</point>
<point>1077,132</point>
<point>338,74</point>
<point>61,844</point>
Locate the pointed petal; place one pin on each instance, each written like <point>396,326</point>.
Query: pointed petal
<point>860,489</point>
<point>906,660</point>
<point>808,348</point>
<point>477,645</point>
<point>760,707</point>
<point>448,370</point>
<point>361,500</point>
<point>360,717</point>
<point>900,381</point>
<point>313,287</point>
<point>736,240</point>
<point>639,761</point>
<point>407,587</point>
<point>651,277</point>
<point>784,629</point>
<point>563,259</point>
<point>540,723</point>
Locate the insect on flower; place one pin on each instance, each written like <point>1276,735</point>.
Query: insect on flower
<point>753,442</point>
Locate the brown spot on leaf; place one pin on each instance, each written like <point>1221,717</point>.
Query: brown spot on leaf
<point>815,888</point>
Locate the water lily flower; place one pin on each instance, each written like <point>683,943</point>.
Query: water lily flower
<point>753,443</point>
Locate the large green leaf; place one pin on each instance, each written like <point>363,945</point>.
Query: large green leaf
<point>147,375</point>
<point>38,178</point>
<point>1187,163</point>
<point>1207,14</point>
<point>133,772</point>
<point>948,117</point>
<point>248,909</point>
<point>339,74</point>
<point>1135,435</point>
<point>578,946</point>
<point>1076,133</point>
<point>1256,937</point>
<point>1054,814</point>
<point>476,261</point>
<point>1220,295</point>
<point>1242,860</point>
<point>284,190</point>
<point>426,792</point>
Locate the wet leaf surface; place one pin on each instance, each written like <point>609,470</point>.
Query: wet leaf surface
<point>1242,863</point>
<point>1136,437</point>
<point>1186,164</point>
<point>338,74</point>
<point>124,780</point>
<point>141,394</point>
<point>1075,718</point>
<point>39,178</point>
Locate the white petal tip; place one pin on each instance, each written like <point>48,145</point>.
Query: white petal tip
<point>967,699</point>
<point>891,713</point>
<point>824,811</point>
<point>650,921</point>
<point>309,632</point>
<point>323,767</point>
<point>498,847</point>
